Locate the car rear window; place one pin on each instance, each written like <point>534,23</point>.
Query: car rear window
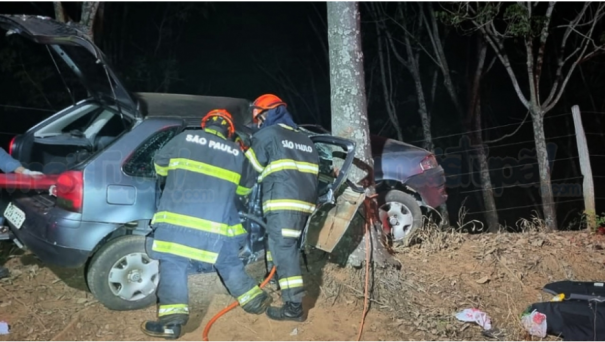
<point>140,163</point>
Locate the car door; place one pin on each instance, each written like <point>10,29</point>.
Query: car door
<point>338,199</point>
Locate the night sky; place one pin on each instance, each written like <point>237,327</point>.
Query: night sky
<point>247,49</point>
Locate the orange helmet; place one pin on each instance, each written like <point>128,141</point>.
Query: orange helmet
<point>263,103</point>
<point>220,117</point>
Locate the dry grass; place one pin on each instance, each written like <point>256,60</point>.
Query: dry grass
<point>447,271</point>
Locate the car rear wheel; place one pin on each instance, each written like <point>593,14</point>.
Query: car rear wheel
<point>401,214</point>
<point>122,276</point>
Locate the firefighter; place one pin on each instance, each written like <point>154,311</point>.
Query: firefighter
<point>287,163</point>
<point>197,220</point>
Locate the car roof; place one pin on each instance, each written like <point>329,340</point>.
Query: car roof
<point>192,108</point>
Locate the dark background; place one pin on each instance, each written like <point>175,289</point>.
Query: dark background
<point>247,49</point>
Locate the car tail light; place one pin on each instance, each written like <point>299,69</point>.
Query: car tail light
<point>11,146</point>
<point>429,162</point>
<point>70,191</point>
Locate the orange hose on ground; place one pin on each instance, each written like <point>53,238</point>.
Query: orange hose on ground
<point>230,307</point>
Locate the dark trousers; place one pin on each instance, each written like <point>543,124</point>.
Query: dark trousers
<point>284,230</point>
<point>173,293</point>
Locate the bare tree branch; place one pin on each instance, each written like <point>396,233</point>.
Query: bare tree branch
<point>585,43</point>
<point>511,134</point>
<point>387,85</point>
<point>542,46</point>
<point>498,47</point>
<point>531,76</point>
<point>447,78</point>
<point>409,34</point>
<point>560,59</point>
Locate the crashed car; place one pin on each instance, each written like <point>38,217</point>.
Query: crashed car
<point>408,179</point>
<point>98,155</point>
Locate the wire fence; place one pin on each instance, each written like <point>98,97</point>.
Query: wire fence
<point>547,117</point>
<point>571,183</point>
<point>530,206</point>
<point>469,149</point>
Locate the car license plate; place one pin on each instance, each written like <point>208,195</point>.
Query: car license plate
<point>14,215</point>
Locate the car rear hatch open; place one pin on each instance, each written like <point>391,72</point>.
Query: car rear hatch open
<point>82,56</point>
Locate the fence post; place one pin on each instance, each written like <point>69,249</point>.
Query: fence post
<point>588,184</point>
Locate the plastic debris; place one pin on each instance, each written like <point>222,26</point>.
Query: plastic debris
<point>3,328</point>
<point>535,323</point>
<point>477,316</point>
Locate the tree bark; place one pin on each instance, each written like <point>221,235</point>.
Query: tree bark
<point>473,122</point>
<point>350,120</point>
<point>548,205</point>
<point>59,12</point>
<point>347,84</point>
<point>87,18</point>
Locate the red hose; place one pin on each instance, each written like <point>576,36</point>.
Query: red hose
<point>233,305</point>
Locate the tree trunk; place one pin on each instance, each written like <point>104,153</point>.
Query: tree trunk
<point>87,18</point>
<point>473,123</point>
<point>59,12</point>
<point>548,205</point>
<point>347,84</point>
<point>350,120</point>
<point>491,214</point>
<point>414,69</point>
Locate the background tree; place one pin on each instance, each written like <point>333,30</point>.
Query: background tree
<point>524,29</point>
<point>87,15</point>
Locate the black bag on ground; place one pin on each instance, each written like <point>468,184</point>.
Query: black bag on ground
<point>580,316</point>
<point>574,320</point>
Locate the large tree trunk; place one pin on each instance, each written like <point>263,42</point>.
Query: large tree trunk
<point>350,120</point>
<point>548,204</point>
<point>347,84</point>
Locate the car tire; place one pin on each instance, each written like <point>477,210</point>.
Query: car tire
<point>404,205</point>
<point>121,274</point>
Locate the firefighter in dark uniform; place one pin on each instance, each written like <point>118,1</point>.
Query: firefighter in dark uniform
<point>287,163</point>
<point>197,220</point>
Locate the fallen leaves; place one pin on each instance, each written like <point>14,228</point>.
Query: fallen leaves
<point>482,280</point>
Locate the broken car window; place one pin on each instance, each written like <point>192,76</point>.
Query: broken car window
<point>140,163</point>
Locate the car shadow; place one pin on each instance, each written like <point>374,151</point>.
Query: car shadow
<point>72,277</point>
<point>314,272</point>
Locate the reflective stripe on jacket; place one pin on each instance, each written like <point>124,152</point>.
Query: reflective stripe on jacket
<point>204,176</point>
<point>286,161</point>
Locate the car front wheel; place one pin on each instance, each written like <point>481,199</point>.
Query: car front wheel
<point>122,276</point>
<point>401,214</point>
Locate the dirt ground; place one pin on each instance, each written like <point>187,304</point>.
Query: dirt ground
<point>500,274</point>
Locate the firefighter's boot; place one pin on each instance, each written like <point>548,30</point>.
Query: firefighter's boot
<point>288,312</point>
<point>259,304</point>
<point>167,327</point>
